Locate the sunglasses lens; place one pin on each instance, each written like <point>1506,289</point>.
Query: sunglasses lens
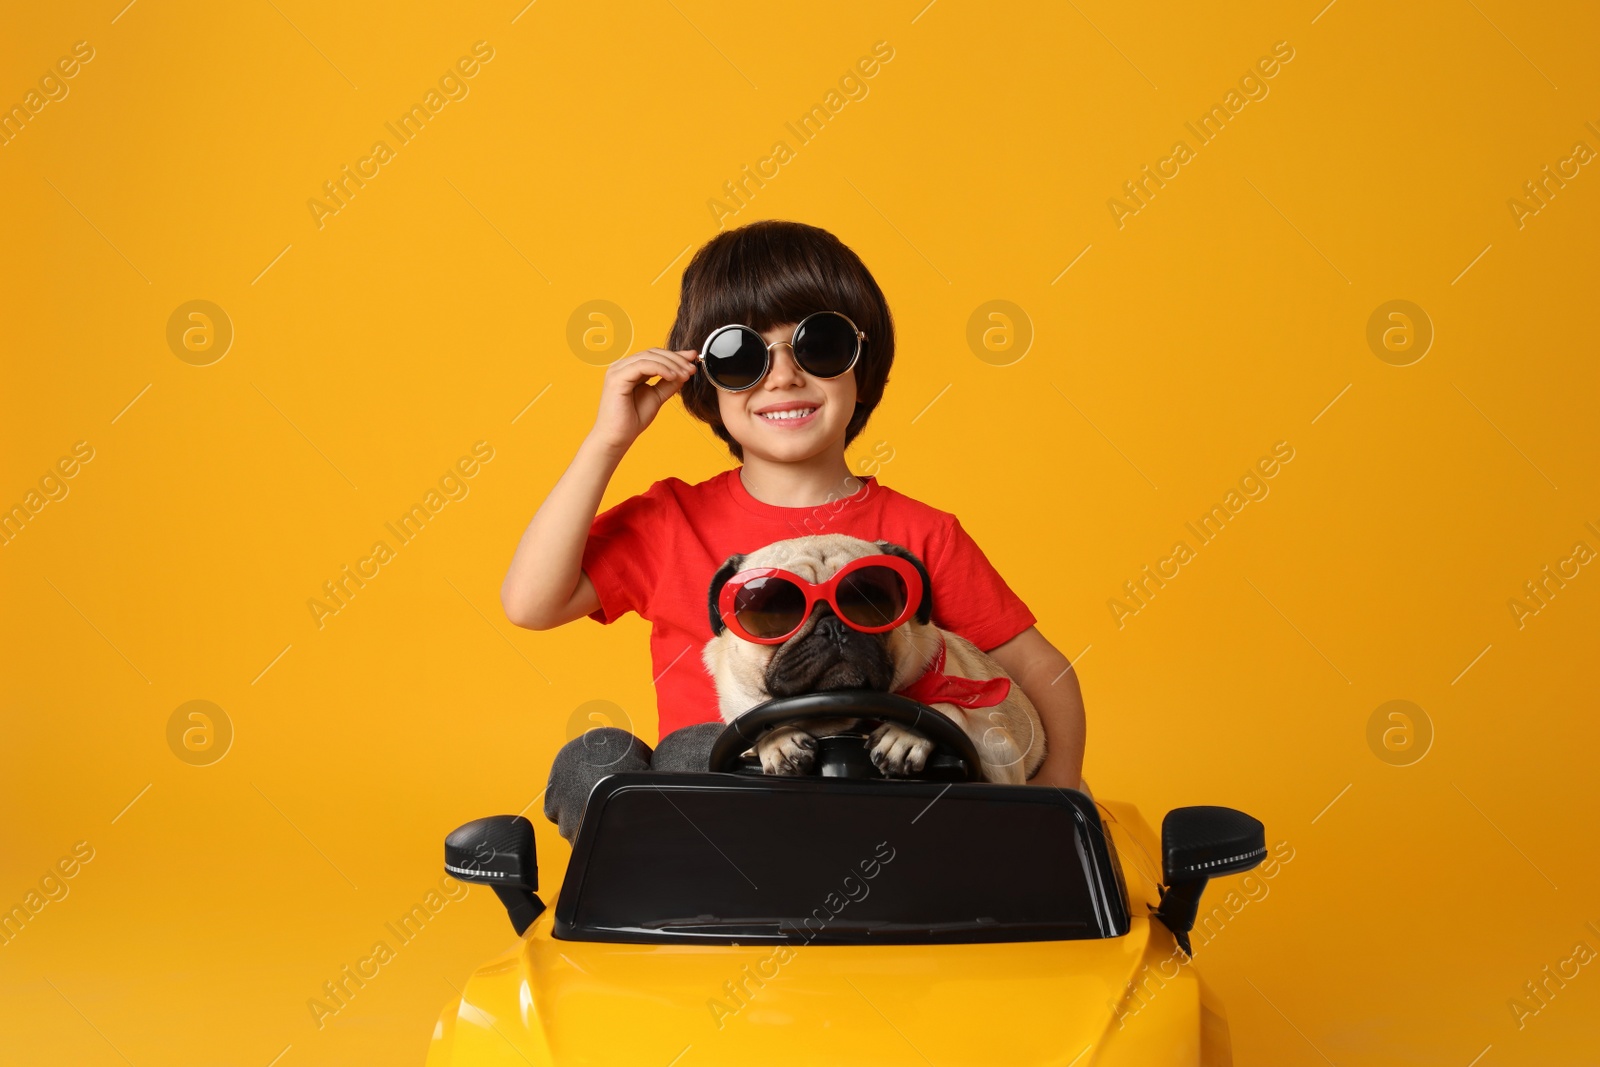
<point>735,358</point>
<point>825,344</point>
<point>871,596</point>
<point>769,607</point>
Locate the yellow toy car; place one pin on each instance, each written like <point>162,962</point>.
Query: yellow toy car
<point>733,917</point>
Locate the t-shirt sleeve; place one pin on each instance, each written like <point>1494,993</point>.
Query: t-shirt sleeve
<point>620,556</point>
<point>969,596</point>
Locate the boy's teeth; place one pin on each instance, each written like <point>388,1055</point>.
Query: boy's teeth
<point>793,413</point>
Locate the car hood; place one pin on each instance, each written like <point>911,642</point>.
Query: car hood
<point>1042,1002</point>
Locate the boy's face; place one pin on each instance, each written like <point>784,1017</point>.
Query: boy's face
<point>818,410</point>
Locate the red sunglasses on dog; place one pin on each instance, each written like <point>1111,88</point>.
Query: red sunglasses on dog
<point>768,605</point>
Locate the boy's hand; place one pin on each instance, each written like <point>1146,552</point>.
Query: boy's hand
<point>628,403</point>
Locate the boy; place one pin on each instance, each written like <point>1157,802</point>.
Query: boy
<point>787,414</point>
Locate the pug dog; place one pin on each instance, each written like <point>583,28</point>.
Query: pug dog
<point>826,653</point>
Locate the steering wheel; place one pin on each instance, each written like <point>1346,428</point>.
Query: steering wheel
<point>844,755</point>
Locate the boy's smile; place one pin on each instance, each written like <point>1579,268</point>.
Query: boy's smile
<point>789,413</point>
<point>789,416</point>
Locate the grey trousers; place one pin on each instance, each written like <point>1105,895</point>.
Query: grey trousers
<point>586,759</point>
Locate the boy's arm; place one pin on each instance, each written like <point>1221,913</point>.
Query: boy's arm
<point>545,585</point>
<point>1051,683</point>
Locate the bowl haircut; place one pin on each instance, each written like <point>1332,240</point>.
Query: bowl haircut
<point>773,272</point>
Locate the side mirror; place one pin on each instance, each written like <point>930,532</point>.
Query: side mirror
<point>499,852</point>
<point>1198,844</point>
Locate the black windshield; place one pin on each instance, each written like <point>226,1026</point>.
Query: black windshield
<point>676,857</point>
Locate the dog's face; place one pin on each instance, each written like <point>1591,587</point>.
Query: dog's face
<point>824,653</point>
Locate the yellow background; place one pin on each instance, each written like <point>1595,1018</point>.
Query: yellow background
<point>430,311</point>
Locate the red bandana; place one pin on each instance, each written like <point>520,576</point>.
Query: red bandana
<point>937,687</point>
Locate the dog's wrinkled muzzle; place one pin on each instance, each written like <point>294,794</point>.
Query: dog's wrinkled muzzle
<point>830,655</point>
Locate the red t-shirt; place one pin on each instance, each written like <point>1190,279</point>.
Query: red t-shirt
<point>655,554</point>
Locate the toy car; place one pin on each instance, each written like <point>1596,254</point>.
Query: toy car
<point>732,917</point>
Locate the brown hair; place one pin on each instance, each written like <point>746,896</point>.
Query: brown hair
<point>773,272</point>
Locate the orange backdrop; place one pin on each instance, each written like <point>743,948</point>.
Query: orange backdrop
<point>276,273</point>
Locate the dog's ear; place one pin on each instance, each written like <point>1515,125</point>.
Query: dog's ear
<point>925,608</point>
<point>729,568</point>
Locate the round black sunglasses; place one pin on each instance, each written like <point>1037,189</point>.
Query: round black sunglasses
<point>826,345</point>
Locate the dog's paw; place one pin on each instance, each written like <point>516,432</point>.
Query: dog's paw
<point>787,751</point>
<point>898,752</point>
